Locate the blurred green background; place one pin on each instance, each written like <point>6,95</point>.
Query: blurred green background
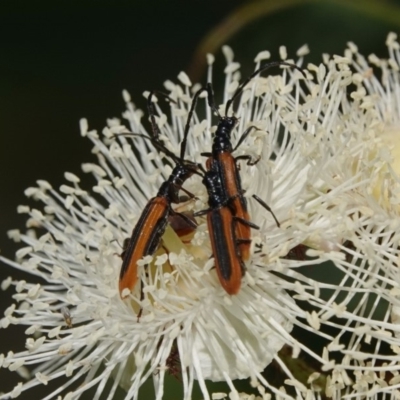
<point>64,60</point>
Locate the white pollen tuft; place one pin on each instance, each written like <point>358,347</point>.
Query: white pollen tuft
<point>313,320</point>
<point>283,52</point>
<point>42,378</point>
<point>210,59</point>
<point>5,284</point>
<point>83,126</point>
<point>23,209</point>
<point>303,51</point>
<point>16,391</point>
<point>232,67</point>
<point>23,372</point>
<point>126,96</point>
<point>71,177</point>
<point>184,79</point>
<point>218,396</point>
<point>65,349</point>
<point>262,55</point>
<point>228,53</point>
<point>54,332</point>
<point>69,369</point>
<point>21,253</point>
<point>14,366</point>
<point>69,200</point>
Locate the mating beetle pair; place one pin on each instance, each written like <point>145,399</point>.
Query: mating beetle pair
<point>227,216</point>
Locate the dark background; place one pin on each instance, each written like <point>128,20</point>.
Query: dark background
<point>64,60</point>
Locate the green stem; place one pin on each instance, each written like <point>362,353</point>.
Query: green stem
<point>246,14</point>
<point>232,24</point>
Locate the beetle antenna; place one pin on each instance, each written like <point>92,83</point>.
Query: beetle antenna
<point>187,126</point>
<point>255,73</point>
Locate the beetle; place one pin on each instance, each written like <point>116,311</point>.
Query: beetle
<point>224,164</point>
<point>222,230</point>
<point>151,225</point>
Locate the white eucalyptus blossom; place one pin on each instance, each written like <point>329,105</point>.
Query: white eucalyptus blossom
<point>300,327</point>
<point>350,114</point>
